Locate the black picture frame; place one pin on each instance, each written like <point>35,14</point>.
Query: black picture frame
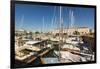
<point>12,31</point>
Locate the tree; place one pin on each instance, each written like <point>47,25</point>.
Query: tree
<point>76,33</point>
<point>57,34</point>
<point>30,33</point>
<point>65,34</point>
<point>36,32</point>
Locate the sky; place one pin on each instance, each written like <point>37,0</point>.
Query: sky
<point>46,18</point>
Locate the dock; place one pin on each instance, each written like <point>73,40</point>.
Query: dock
<point>34,57</point>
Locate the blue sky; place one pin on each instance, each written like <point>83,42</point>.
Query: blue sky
<point>37,17</point>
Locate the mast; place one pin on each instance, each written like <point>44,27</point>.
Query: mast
<point>53,17</point>
<point>21,27</point>
<point>43,24</point>
<point>22,21</point>
<point>60,33</point>
<point>42,27</point>
<point>72,19</point>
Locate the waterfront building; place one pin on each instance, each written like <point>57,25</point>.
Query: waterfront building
<point>71,31</point>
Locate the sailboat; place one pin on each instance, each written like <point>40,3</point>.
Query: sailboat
<point>64,52</point>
